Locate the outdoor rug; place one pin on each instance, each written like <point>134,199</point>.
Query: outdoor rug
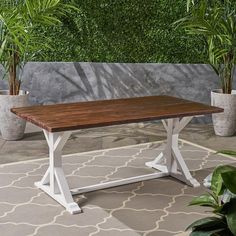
<point>151,208</point>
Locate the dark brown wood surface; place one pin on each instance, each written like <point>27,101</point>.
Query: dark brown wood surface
<point>81,115</point>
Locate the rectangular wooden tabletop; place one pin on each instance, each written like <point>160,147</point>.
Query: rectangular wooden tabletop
<point>81,115</point>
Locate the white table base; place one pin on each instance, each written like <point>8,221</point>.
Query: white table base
<point>55,184</point>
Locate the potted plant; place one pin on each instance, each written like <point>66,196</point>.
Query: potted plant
<point>19,44</point>
<point>215,22</point>
<point>222,199</point>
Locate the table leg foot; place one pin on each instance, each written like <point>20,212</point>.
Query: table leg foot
<point>71,207</point>
<point>194,183</point>
<point>190,182</point>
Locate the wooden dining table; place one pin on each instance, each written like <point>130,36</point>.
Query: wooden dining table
<point>59,120</point>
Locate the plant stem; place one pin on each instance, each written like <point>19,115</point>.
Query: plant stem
<point>228,72</point>
<point>14,84</point>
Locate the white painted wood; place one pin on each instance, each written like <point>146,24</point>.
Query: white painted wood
<point>164,124</point>
<point>157,161</point>
<point>172,155</point>
<point>162,168</point>
<point>181,124</point>
<point>54,182</point>
<point>61,140</point>
<point>116,183</point>
<point>71,207</point>
<point>46,134</point>
<point>46,177</point>
<point>191,182</point>
<point>63,186</point>
<point>168,151</point>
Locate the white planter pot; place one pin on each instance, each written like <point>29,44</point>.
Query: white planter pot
<point>225,122</point>
<point>11,126</point>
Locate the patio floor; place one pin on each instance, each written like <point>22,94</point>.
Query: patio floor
<point>156,207</point>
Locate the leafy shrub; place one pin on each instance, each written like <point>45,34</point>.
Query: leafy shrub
<point>123,31</point>
<point>223,222</point>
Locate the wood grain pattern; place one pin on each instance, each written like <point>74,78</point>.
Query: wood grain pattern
<point>81,115</point>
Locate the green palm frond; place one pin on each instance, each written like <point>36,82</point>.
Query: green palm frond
<point>215,21</point>
<point>47,11</point>
<point>18,19</point>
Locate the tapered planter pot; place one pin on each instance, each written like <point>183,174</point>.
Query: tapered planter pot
<point>225,122</point>
<point>11,126</point>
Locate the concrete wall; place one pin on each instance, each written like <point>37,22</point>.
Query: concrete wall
<point>60,82</point>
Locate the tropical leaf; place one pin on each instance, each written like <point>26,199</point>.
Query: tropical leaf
<point>216,232</point>
<point>231,217</point>
<point>229,210</point>
<point>224,221</point>
<point>215,21</point>
<point>229,179</point>
<point>189,3</point>
<point>207,223</point>
<point>2,47</point>
<point>217,185</point>
<point>228,152</point>
<point>18,19</point>
<point>205,200</point>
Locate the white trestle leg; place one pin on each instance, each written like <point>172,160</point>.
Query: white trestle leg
<point>171,156</point>
<point>54,182</point>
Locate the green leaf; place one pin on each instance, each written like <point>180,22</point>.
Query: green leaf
<point>229,179</point>
<point>215,22</point>
<point>205,200</point>
<point>228,152</point>
<point>2,48</point>
<point>231,215</point>
<point>217,186</point>
<point>18,21</point>
<point>189,3</point>
<point>209,233</point>
<point>218,209</point>
<point>207,223</point>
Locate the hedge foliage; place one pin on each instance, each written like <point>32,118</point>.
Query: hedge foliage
<point>123,31</point>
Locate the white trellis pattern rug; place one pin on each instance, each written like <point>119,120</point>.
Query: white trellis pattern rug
<point>151,208</point>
